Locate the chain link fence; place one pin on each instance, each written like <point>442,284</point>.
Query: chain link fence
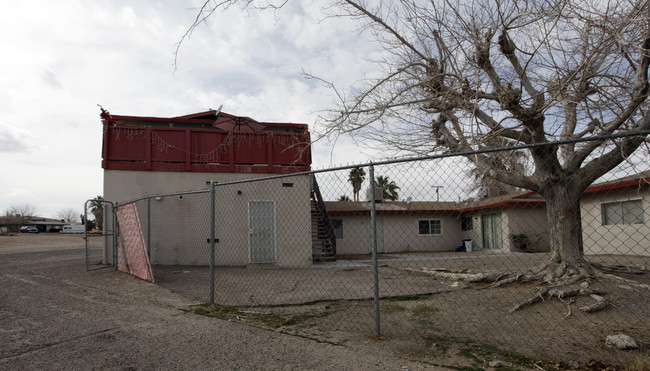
<point>332,252</point>
<point>99,243</point>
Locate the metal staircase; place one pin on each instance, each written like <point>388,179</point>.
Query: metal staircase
<point>322,234</point>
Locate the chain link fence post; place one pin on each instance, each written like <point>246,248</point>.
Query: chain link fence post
<point>149,227</point>
<point>212,207</point>
<point>115,230</point>
<point>373,241</point>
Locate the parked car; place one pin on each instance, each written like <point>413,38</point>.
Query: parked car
<point>28,229</point>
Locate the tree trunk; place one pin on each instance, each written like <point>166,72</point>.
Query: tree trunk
<point>565,231</point>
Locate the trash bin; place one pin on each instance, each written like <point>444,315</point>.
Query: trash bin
<point>468,245</point>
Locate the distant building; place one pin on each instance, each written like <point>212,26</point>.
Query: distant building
<point>614,221</point>
<point>437,226</point>
<point>13,223</point>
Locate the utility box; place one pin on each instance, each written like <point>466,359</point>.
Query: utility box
<point>379,194</point>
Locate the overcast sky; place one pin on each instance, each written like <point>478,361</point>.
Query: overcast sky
<point>62,58</point>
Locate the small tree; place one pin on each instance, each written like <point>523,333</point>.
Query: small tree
<point>344,198</point>
<point>91,225</point>
<point>23,209</point>
<point>22,212</point>
<point>97,209</point>
<point>69,215</point>
<point>356,178</point>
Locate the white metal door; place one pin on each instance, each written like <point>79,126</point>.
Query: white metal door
<point>261,231</point>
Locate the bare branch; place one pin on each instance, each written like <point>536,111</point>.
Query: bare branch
<point>508,48</point>
<point>363,10</point>
<point>209,7</point>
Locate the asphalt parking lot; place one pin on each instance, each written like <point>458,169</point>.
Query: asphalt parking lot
<point>55,315</point>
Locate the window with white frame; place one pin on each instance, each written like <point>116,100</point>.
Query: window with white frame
<point>430,227</point>
<point>623,212</point>
<point>337,225</point>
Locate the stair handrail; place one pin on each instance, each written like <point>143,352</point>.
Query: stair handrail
<point>323,211</point>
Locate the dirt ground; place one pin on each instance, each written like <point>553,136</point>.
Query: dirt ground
<point>450,326</point>
<point>26,242</point>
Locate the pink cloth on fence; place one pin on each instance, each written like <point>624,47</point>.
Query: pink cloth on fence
<point>132,257</point>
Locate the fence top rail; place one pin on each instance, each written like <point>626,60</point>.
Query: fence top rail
<point>182,193</point>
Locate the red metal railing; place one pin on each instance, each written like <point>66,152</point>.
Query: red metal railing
<point>189,149</point>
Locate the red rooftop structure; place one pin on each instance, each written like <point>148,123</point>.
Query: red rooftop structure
<point>211,141</point>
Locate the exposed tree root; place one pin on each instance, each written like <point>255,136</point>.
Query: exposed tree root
<point>600,304</point>
<point>621,268</point>
<point>462,275</point>
<point>568,305</point>
<point>559,292</point>
<point>631,283</point>
<point>562,281</point>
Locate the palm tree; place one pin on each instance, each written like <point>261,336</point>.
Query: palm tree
<point>344,198</point>
<point>97,209</point>
<point>388,186</point>
<point>357,176</point>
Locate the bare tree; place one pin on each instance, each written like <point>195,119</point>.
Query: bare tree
<point>530,72</point>
<point>458,75</point>
<point>69,215</point>
<point>23,209</point>
<point>22,212</point>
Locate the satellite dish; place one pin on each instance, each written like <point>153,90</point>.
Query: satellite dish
<point>218,111</point>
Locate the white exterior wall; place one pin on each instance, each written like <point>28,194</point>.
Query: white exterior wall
<point>400,234</point>
<point>530,221</point>
<point>356,235</point>
<point>180,228</point>
<point>632,239</point>
<point>292,215</point>
<point>125,185</point>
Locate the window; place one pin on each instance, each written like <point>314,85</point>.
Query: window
<point>466,223</point>
<point>337,225</point>
<point>623,212</point>
<point>429,227</point>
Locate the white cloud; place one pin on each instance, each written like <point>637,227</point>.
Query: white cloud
<point>14,139</point>
<point>63,58</point>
